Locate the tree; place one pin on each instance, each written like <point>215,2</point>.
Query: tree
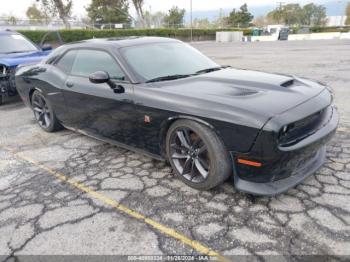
<point>109,11</point>
<point>313,15</point>
<point>61,7</point>
<point>11,20</point>
<point>221,21</point>
<point>155,20</point>
<point>35,14</point>
<point>240,18</point>
<point>260,21</point>
<point>158,19</point>
<point>347,13</point>
<point>233,18</point>
<point>138,4</point>
<point>294,14</point>
<point>202,23</point>
<point>175,17</point>
<point>276,15</point>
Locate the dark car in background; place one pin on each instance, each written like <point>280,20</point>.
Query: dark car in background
<point>16,49</point>
<point>164,98</point>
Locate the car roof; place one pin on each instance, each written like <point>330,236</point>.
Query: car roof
<point>8,32</point>
<point>120,42</point>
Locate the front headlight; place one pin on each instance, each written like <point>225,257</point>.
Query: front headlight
<point>330,90</point>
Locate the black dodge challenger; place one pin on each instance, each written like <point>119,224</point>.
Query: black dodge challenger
<point>164,98</point>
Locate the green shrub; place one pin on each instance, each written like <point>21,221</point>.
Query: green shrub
<point>329,29</point>
<point>78,35</point>
<point>320,29</point>
<point>182,33</point>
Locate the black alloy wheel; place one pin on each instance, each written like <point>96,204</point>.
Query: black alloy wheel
<point>43,113</point>
<point>197,155</point>
<point>189,155</point>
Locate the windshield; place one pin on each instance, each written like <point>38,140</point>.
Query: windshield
<point>15,44</point>
<point>155,60</point>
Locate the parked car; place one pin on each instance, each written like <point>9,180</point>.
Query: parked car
<point>164,98</point>
<point>16,49</point>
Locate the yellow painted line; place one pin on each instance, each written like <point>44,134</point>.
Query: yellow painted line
<point>111,202</point>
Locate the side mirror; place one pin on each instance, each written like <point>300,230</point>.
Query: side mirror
<point>99,77</point>
<point>46,48</point>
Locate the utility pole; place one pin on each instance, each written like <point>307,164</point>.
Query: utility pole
<point>191,21</point>
<point>280,11</point>
<point>221,21</point>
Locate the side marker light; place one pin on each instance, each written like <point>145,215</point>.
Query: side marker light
<point>249,163</point>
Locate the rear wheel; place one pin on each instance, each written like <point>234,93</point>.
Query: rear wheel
<point>1,99</point>
<point>197,155</point>
<point>44,113</point>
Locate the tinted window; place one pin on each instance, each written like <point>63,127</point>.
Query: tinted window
<point>66,62</point>
<point>90,61</point>
<point>163,59</point>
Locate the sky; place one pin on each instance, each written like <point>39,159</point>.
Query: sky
<point>19,7</point>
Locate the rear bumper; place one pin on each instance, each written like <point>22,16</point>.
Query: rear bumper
<point>293,165</point>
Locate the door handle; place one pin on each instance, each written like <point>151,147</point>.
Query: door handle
<point>69,84</point>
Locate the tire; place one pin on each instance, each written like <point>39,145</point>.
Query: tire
<point>1,99</point>
<point>204,162</point>
<point>44,114</point>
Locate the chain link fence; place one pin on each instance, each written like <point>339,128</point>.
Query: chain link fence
<point>13,23</point>
<point>25,24</point>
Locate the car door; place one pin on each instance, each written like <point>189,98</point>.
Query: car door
<point>96,108</point>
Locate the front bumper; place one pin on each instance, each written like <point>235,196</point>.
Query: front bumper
<point>293,166</point>
<point>7,83</point>
<point>280,186</point>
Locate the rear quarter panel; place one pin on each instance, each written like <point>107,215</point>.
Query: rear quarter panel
<point>47,80</point>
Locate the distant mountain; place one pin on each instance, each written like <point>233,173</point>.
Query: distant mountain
<point>336,7</point>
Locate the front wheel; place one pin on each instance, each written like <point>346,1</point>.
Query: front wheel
<point>197,155</point>
<point>44,114</point>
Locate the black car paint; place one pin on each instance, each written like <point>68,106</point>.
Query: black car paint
<point>247,110</point>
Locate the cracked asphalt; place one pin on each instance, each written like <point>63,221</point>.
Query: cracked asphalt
<point>42,215</point>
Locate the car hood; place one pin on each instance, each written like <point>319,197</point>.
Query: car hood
<point>262,94</point>
<point>12,60</point>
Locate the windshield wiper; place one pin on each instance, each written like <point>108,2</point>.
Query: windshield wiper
<point>169,77</point>
<point>178,76</point>
<point>212,69</point>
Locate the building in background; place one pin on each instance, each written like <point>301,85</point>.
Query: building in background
<point>336,20</point>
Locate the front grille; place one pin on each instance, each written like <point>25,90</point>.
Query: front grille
<point>294,132</point>
<point>292,164</point>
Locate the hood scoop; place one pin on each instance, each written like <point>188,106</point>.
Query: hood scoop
<point>241,91</point>
<point>288,83</point>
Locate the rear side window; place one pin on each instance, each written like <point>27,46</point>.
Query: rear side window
<point>90,61</point>
<point>66,62</point>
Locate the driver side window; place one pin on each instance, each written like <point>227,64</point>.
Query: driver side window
<point>89,61</point>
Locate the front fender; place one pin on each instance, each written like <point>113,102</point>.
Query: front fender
<point>235,137</point>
